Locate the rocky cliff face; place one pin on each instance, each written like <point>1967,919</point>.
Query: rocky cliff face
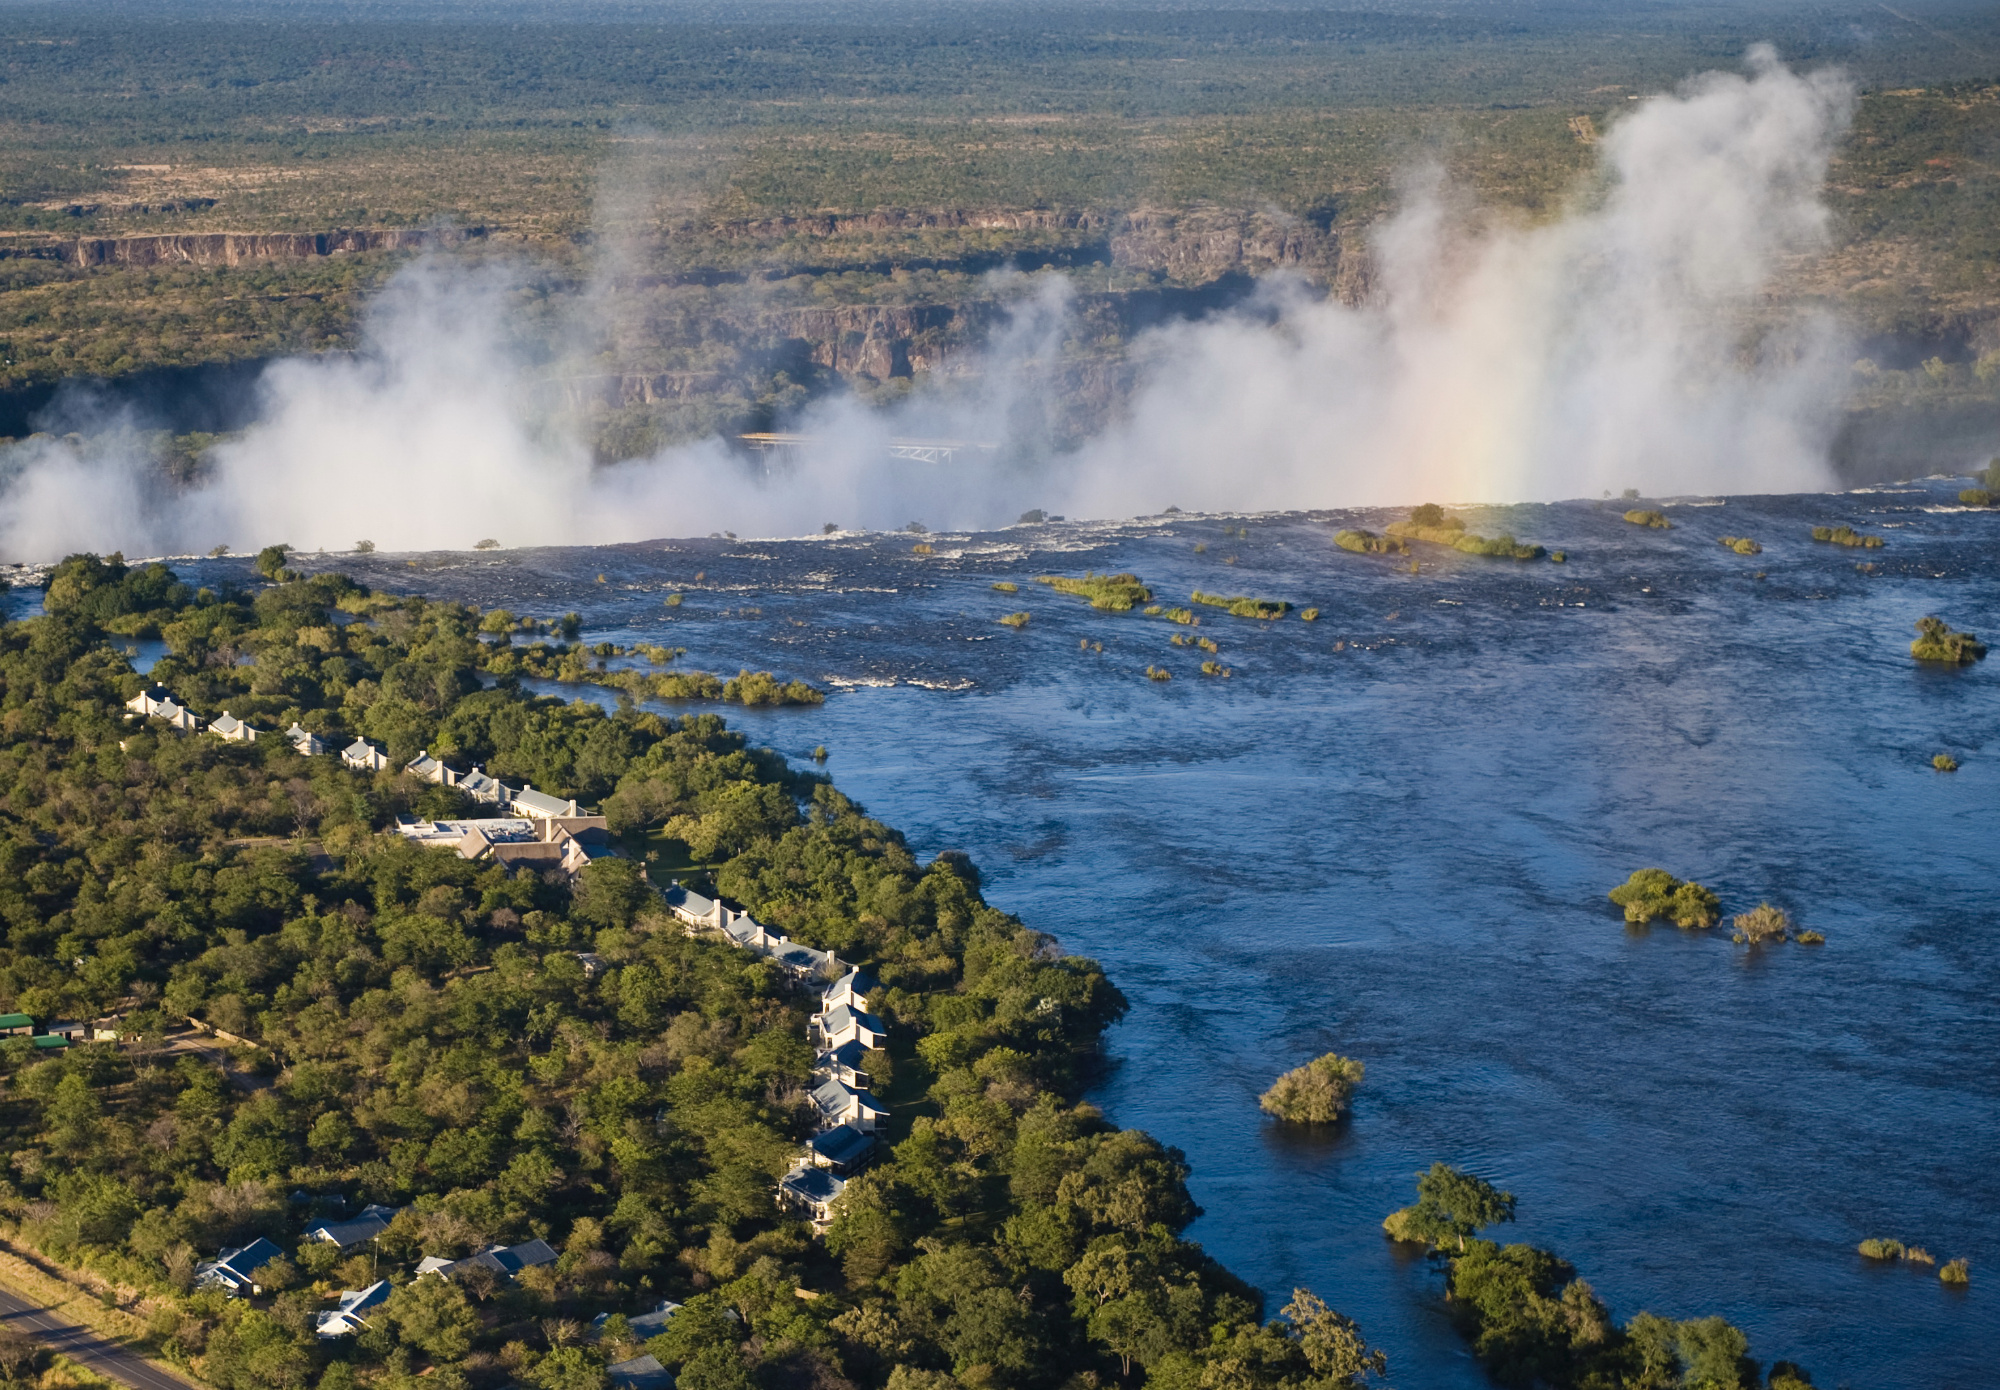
<point>237,248</point>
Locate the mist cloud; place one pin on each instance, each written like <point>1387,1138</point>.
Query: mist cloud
<point>1608,347</point>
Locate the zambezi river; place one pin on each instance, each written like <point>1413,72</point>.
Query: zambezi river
<point>1390,833</point>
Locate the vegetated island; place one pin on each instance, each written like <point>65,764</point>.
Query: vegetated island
<point>1369,543</point>
<point>565,1092</point>
<point>1237,606</point>
<point>1429,523</point>
<point>1651,893</point>
<point>1316,1093</point>
<point>1656,520</point>
<point>1889,1250</point>
<point>1742,545</point>
<point>1114,593</point>
<point>1846,535</point>
<point>1532,1322</point>
<point>1937,642</point>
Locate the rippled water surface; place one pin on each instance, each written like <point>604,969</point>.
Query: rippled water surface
<point>1390,832</point>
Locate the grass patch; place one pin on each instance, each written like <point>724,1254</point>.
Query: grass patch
<point>1241,607</point>
<point>1114,593</point>
<point>1937,642</point>
<point>1005,587</point>
<point>1846,535</point>
<point>1015,620</point>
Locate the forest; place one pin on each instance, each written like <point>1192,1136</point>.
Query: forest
<point>423,1032</point>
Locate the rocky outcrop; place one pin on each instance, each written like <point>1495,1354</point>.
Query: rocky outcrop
<point>237,248</point>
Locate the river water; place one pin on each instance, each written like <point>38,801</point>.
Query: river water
<point>1390,833</point>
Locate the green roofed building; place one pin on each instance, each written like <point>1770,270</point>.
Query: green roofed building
<point>53,1040</point>
<point>16,1023</point>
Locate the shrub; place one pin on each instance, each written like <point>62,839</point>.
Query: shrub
<point>1810,938</point>
<point>1762,923</point>
<point>1005,587</point>
<point>1846,535</point>
<point>1368,543</point>
<point>1209,645</point>
<point>1158,673</point>
<point>1656,520</point>
<point>1308,615</point>
<point>1955,1272</point>
<point>1557,557</point>
<point>1651,893</point>
<point>1917,1255</point>
<point>1881,1248</point>
<point>1743,545</point>
<point>921,548</point>
<point>1214,668</point>
<point>1114,593</point>
<point>1015,620</point>
<point>1944,762</point>
<point>488,544</point>
<point>1978,497</point>
<point>1316,1093</point>
<point>1184,616</point>
<point>1937,642</point>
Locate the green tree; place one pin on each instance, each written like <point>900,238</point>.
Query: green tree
<point>1451,1205</point>
<point>433,1315</point>
<point>1331,1341</point>
<point>570,1368</point>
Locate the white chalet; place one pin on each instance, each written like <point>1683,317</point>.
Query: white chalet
<point>431,770</point>
<point>363,756</point>
<point>305,742</point>
<point>230,727</point>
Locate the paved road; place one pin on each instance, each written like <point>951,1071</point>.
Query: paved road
<point>83,1346</point>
